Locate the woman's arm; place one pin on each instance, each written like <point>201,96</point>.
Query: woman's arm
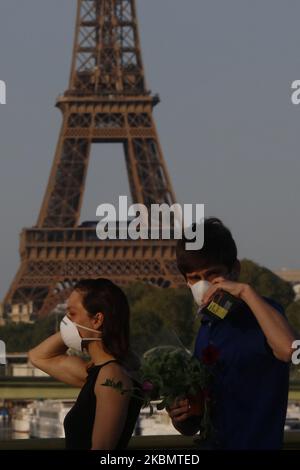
<point>50,356</point>
<point>111,408</point>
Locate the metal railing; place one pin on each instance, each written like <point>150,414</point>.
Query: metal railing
<point>291,442</point>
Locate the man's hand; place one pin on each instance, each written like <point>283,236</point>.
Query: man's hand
<point>182,418</point>
<point>220,283</point>
<point>180,410</point>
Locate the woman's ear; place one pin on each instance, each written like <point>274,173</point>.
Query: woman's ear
<point>98,320</point>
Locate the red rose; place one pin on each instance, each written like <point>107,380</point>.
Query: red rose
<point>210,355</point>
<point>206,394</point>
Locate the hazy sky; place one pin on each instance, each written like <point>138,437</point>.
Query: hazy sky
<point>229,131</point>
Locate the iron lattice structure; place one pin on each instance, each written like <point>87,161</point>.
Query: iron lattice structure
<point>106,101</point>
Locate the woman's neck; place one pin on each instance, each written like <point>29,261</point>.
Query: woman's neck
<point>97,353</point>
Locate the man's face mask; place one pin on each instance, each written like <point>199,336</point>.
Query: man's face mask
<point>70,334</point>
<point>198,290</point>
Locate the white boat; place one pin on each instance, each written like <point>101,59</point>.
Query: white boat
<point>158,424</point>
<point>293,411</point>
<point>292,422</point>
<point>47,418</point>
<point>21,421</point>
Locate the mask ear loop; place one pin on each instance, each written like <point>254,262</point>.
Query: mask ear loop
<point>84,342</point>
<point>89,329</point>
<point>87,339</point>
<point>91,339</point>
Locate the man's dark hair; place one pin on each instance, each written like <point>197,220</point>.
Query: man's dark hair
<point>102,295</point>
<point>219,249</point>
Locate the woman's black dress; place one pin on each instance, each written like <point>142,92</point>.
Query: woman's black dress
<point>79,421</point>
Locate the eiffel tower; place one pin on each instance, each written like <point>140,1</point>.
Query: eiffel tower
<point>106,102</point>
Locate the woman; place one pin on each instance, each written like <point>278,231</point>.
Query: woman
<point>98,320</point>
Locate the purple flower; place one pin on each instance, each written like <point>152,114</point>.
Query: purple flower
<point>148,386</point>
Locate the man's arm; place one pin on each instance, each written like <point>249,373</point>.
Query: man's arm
<point>275,327</point>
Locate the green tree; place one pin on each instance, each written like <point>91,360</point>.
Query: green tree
<point>17,337</point>
<point>293,315</point>
<point>144,329</point>
<point>174,307</point>
<point>20,337</point>
<point>266,283</point>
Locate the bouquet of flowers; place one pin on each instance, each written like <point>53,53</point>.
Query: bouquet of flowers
<point>169,373</point>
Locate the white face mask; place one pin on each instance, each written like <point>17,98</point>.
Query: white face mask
<point>70,334</point>
<point>198,290</point>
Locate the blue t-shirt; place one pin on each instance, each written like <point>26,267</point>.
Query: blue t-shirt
<point>250,390</point>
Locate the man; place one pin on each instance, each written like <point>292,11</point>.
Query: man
<point>254,344</point>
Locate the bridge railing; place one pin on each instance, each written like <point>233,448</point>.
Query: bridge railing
<point>291,442</point>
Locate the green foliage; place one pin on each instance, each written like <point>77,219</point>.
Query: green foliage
<point>174,373</point>
<point>21,337</point>
<point>144,330</point>
<point>167,374</point>
<point>161,316</point>
<point>293,315</point>
<point>266,283</point>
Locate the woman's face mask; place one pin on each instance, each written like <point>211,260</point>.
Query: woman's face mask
<point>70,334</point>
<point>198,290</point>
